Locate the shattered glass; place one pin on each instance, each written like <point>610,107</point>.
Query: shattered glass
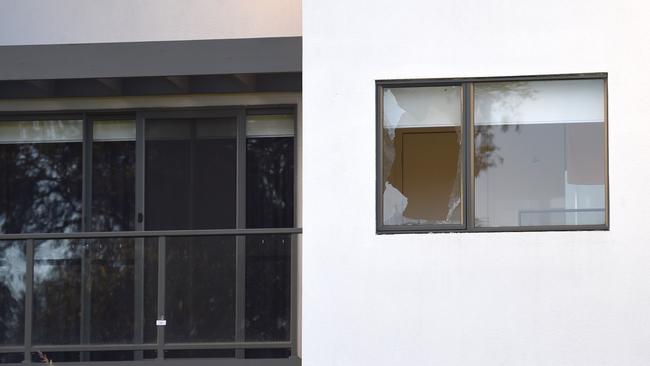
<point>422,163</point>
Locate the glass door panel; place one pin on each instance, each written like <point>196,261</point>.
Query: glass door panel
<point>113,175</point>
<point>190,180</point>
<point>190,173</point>
<point>270,161</point>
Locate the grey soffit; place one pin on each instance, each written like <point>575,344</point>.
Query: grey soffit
<point>142,59</point>
<point>151,85</point>
<point>151,68</point>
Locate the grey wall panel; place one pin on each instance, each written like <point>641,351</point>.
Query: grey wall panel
<point>108,60</point>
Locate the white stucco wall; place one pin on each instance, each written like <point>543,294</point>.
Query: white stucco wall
<point>554,298</point>
<point>83,21</point>
<point>577,298</point>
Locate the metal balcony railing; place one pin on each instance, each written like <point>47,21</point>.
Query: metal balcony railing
<point>146,353</point>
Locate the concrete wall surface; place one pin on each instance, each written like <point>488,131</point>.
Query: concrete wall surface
<point>82,21</point>
<point>551,298</point>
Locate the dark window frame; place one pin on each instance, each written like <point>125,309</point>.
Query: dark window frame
<point>467,149</point>
<point>240,345</point>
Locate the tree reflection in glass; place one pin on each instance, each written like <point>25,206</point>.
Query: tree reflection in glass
<point>113,177</point>
<point>66,271</point>
<point>539,154</point>
<point>269,203</point>
<point>40,176</point>
<point>12,292</point>
<point>57,292</point>
<point>40,191</point>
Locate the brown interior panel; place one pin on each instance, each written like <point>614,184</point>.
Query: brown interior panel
<point>427,162</point>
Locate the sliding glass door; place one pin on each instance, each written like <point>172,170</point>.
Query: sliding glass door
<point>190,183</point>
<point>139,202</point>
<point>222,170</point>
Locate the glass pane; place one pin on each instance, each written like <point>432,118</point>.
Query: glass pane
<point>12,292</point>
<point>268,353</point>
<point>421,156</point>
<point>269,125</point>
<point>116,130</point>
<point>113,193</point>
<point>270,182</point>
<point>199,353</point>
<point>268,287</point>
<point>57,292</point>
<point>190,174</point>
<point>14,357</point>
<point>60,357</point>
<point>539,154</point>
<point>200,289</point>
<point>85,291</point>
<point>40,176</point>
<point>269,203</point>
<point>217,129</point>
<point>47,357</point>
<point>21,132</point>
<point>113,265</point>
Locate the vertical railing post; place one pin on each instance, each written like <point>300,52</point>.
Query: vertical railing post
<point>293,334</point>
<point>161,323</point>
<point>240,293</point>
<point>138,298</point>
<point>29,298</point>
<point>86,294</point>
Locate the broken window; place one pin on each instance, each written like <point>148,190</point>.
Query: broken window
<point>422,156</point>
<point>536,154</point>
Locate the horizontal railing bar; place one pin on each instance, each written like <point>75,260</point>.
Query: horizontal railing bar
<point>11,349</point>
<point>93,347</point>
<point>226,345</point>
<point>147,346</point>
<point>149,234</point>
<point>186,362</point>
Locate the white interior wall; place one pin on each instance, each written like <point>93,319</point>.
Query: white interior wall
<point>82,21</point>
<point>552,298</point>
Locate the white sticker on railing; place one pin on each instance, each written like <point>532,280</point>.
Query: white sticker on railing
<point>161,323</point>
